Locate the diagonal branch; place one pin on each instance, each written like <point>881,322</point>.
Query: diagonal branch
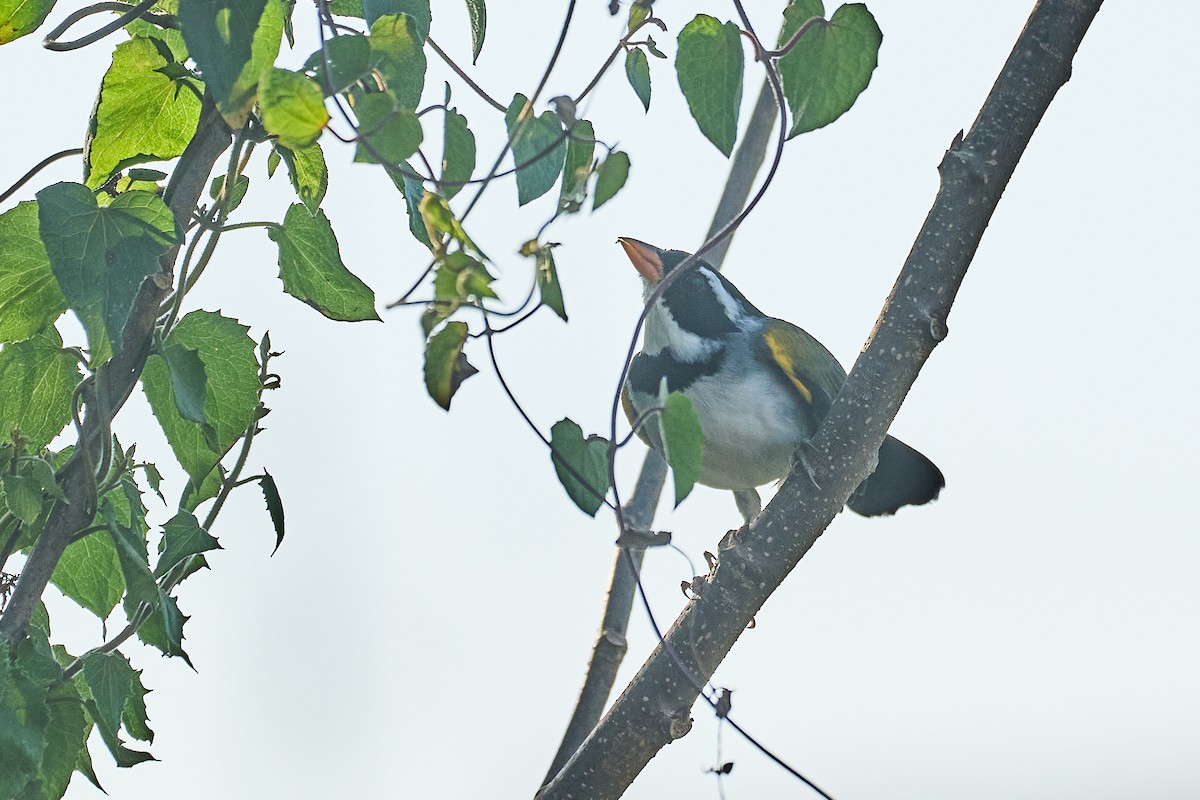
<point>655,707</point>
<point>115,380</point>
<point>610,647</point>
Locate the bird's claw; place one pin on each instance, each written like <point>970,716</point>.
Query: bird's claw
<point>802,463</point>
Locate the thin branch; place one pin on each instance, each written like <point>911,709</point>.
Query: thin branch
<point>747,160</point>
<point>606,655</point>
<point>142,9</point>
<point>755,559</point>
<point>610,647</point>
<point>496,104</point>
<point>41,165</point>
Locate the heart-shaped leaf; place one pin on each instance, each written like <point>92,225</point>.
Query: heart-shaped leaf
<point>830,65</point>
<point>709,63</point>
<point>581,465</point>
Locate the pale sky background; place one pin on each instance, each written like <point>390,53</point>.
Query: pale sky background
<point>424,628</point>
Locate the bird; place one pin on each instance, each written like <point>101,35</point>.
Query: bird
<point>760,387</point>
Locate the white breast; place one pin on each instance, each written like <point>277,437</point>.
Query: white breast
<point>750,429</point>
<point>750,423</point>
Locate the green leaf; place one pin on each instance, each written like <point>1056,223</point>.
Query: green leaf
<point>274,506</point>
<point>446,367</point>
<point>110,679</point>
<point>831,64</point>
<point>124,756</point>
<point>23,496</point>
<point>195,493</point>
<point>547,282</point>
<point>230,393</point>
<point>84,765</point>
<point>154,479</point>
<point>288,7</point>
<point>458,154</point>
<point>127,502</point>
<point>29,294</point>
<point>40,619</point>
<point>578,166</point>
<point>36,658</point>
<point>187,381</point>
<point>42,473</point>
<point>416,10</point>
<point>637,12</point>
<point>293,107</point>
<point>89,573</point>
<point>396,52</point>
<point>273,159</point>
<point>539,149</point>
<point>100,255</point>
<point>66,738</point>
<point>307,172</point>
<point>346,8</point>
<point>142,114</point>
<point>653,48</point>
<point>478,13</point>
<point>683,442</point>
<point>708,62</point>
<point>637,70</point>
<point>311,268</point>
<point>581,465</point>
<point>135,561</point>
<point>37,379</point>
<point>24,717</point>
<point>171,37</point>
<point>164,630</point>
<point>413,191</point>
<point>458,278</point>
<point>394,132</point>
<point>134,714</point>
<point>349,60</point>
<point>20,17</point>
<point>233,42</point>
<point>182,538</point>
<point>240,187</point>
<point>611,177</point>
<point>440,220</point>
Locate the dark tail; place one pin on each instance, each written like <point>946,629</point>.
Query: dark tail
<point>904,477</point>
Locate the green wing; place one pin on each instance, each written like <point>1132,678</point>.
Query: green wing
<point>809,367</point>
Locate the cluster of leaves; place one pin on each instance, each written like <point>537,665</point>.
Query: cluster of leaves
<point>90,248</point>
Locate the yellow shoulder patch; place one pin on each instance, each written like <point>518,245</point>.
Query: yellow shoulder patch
<point>777,343</point>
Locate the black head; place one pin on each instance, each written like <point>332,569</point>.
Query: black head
<point>700,301</point>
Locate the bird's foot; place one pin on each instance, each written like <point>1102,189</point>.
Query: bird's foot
<point>748,503</point>
<point>802,462</point>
